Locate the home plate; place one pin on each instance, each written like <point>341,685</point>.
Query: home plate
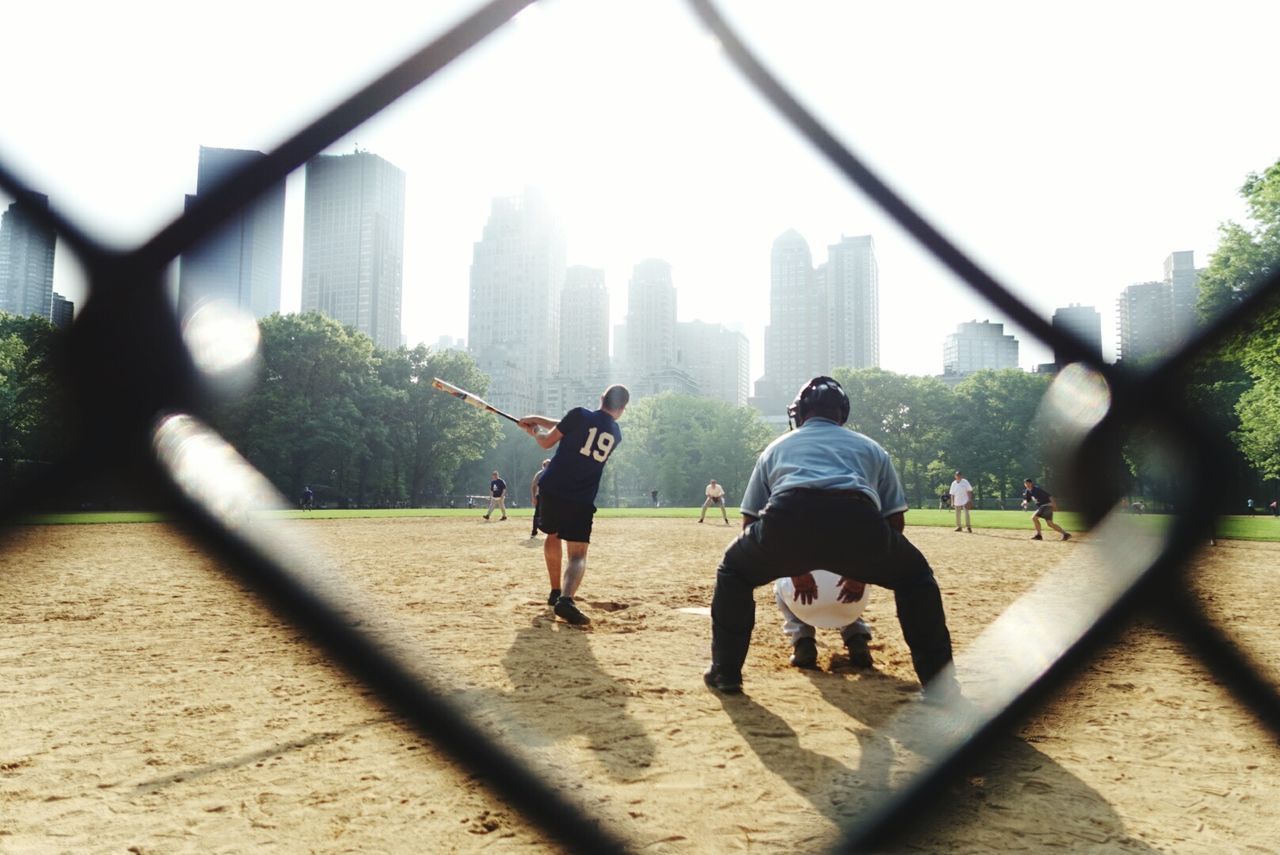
<point>696,610</point>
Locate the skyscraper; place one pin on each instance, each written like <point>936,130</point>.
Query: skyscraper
<point>61,311</point>
<point>584,327</point>
<point>978,346</point>
<point>651,319</point>
<point>851,278</point>
<point>584,343</point>
<point>1144,313</point>
<point>517,272</point>
<point>650,338</point>
<point>26,259</point>
<point>717,359</point>
<point>240,262</point>
<point>353,243</point>
<point>797,339</point>
<point>1183,278</point>
<point>1082,321</point>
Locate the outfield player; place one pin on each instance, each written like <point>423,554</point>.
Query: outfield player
<point>533,496</point>
<point>962,499</point>
<point>715,496</point>
<point>824,496</point>
<point>584,439</point>
<point>1045,506</point>
<point>497,496</point>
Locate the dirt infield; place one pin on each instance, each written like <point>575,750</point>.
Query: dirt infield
<point>147,704</point>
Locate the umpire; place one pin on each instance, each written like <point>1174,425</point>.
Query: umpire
<point>822,496</point>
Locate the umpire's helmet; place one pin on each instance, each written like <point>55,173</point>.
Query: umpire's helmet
<point>821,396</point>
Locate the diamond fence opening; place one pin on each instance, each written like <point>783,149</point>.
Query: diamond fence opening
<point>129,374</point>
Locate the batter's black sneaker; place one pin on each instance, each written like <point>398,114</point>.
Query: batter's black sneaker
<point>555,595</point>
<point>805,654</point>
<point>1066,536</point>
<point>1036,537</point>
<point>725,684</point>
<point>566,610</point>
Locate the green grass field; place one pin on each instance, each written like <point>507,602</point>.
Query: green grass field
<point>1260,527</point>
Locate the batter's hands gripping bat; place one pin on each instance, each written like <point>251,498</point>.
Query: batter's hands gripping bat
<point>474,400</point>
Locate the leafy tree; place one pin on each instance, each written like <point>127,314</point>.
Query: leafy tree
<point>907,415</point>
<point>676,443</point>
<point>431,436</point>
<point>302,422</point>
<point>32,423</point>
<point>357,424</point>
<point>1246,257</point>
<point>994,433</point>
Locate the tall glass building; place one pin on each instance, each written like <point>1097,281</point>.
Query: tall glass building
<point>240,262</point>
<point>26,259</point>
<point>513,323</point>
<point>353,243</point>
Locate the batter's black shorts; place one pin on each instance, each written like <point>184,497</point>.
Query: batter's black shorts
<point>565,519</point>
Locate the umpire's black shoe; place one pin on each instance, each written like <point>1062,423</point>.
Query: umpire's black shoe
<point>860,655</point>
<point>553,596</point>
<point>725,684</point>
<point>566,610</point>
<point>805,654</point>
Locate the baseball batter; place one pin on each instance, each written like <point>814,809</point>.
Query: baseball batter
<point>822,496</point>
<point>584,439</point>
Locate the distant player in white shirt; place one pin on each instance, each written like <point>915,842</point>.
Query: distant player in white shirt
<point>962,500</point>
<point>715,496</point>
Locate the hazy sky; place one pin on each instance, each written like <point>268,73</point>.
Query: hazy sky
<point>1069,148</point>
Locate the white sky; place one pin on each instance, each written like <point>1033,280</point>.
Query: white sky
<point>1069,148</point>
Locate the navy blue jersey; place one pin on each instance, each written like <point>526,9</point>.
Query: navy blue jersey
<point>1037,494</point>
<point>497,488</point>
<point>589,437</point>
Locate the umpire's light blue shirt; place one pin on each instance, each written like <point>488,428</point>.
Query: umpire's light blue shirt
<point>822,455</point>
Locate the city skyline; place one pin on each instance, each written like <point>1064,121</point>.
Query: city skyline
<point>1069,182</point>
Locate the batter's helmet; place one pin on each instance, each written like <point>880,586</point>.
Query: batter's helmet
<point>821,395</point>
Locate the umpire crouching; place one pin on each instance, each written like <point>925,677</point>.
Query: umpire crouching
<point>822,496</point>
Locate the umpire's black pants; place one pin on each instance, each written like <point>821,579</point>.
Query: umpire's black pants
<point>803,530</point>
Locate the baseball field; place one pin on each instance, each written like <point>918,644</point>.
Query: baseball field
<point>149,704</point>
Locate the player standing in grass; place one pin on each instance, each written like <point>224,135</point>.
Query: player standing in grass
<point>962,499</point>
<point>822,496</point>
<point>1045,506</point>
<point>715,496</point>
<point>584,439</point>
<point>497,496</point>
<point>533,496</point>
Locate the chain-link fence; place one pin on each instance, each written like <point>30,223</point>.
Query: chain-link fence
<point>132,383</point>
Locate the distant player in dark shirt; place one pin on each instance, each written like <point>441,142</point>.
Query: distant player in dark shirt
<point>497,496</point>
<point>1045,506</point>
<point>584,439</point>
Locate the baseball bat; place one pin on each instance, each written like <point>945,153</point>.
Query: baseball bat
<point>466,397</point>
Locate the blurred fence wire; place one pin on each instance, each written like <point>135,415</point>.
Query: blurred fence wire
<point>134,386</point>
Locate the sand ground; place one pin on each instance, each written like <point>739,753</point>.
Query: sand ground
<point>148,704</point>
